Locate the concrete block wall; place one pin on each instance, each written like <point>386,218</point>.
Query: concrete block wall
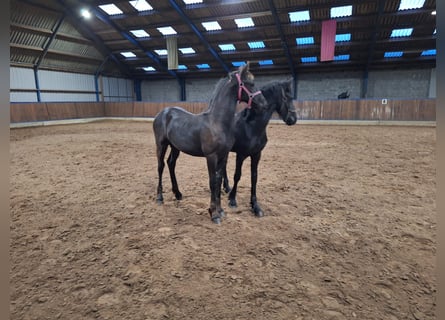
<point>389,84</point>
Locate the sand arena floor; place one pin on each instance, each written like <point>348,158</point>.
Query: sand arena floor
<point>348,233</point>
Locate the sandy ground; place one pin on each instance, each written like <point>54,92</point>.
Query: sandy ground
<point>348,233</point>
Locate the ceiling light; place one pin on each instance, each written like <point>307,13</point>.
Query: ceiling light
<point>85,13</point>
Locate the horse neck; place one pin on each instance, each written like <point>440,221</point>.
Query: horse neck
<point>222,106</point>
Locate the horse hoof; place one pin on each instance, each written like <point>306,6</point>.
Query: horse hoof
<point>178,196</point>
<point>222,213</point>
<point>232,204</point>
<point>227,190</point>
<point>216,220</point>
<point>159,201</point>
<point>259,214</point>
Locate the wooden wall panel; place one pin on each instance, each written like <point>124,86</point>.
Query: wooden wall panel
<point>119,109</point>
<point>28,112</point>
<point>90,109</point>
<point>399,110</point>
<point>62,110</point>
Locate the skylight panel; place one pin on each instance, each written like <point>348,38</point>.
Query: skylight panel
<point>111,9</point>
<point>256,45</point>
<point>161,52</point>
<point>140,33</point>
<point>305,40</point>
<point>431,52</point>
<point>182,67</point>
<point>238,63</point>
<point>187,50</point>
<point>341,57</point>
<point>342,37</point>
<point>265,62</point>
<point>128,54</point>
<point>203,66</point>
<point>343,11</point>
<point>244,22</point>
<point>308,59</point>
<point>192,1</point>
<point>434,32</point>
<point>141,5</point>
<point>393,54</point>
<point>299,16</point>
<point>149,69</point>
<point>227,47</point>
<point>211,25</point>
<point>166,31</point>
<point>406,32</point>
<point>411,4</point>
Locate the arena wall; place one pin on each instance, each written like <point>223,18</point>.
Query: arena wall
<point>359,109</point>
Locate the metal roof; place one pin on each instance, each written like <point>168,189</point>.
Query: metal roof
<point>52,34</point>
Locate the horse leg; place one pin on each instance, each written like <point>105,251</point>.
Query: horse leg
<point>212,167</point>
<point>255,159</point>
<point>225,179</point>
<point>171,161</point>
<point>161,149</point>
<point>239,164</point>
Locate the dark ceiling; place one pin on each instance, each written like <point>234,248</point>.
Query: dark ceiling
<point>52,34</point>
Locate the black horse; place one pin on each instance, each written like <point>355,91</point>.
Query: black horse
<point>251,137</point>
<point>209,134</point>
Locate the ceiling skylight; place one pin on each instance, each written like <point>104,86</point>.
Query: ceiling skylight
<point>305,40</point>
<point>238,63</point>
<point>211,25</point>
<point>343,11</point>
<point>187,50</point>
<point>401,32</point>
<point>393,54</point>
<point>265,62</point>
<point>192,1</point>
<point>244,22</point>
<point>141,5</point>
<point>298,16</point>
<point>111,9</point>
<point>128,54</point>
<point>161,52</point>
<point>434,32</point>
<point>431,52</point>
<point>182,67</point>
<point>256,45</point>
<point>166,31</point>
<point>308,59</point>
<point>149,69</point>
<point>140,33</point>
<point>203,66</point>
<point>342,37</point>
<point>411,4</point>
<point>341,57</point>
<point>227,47</point>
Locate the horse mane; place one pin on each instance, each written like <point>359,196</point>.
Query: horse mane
<point>273,85</point>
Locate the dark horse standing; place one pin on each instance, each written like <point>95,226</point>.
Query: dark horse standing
<point>209,134</point>
<point>251,137</point>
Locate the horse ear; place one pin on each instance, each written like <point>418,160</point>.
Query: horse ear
<point>243,70</point>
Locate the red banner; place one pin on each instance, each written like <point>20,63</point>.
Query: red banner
<point>328,31</point>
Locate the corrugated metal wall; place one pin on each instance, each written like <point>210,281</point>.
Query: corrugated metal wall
<point>58,86</point>
<point>117,89</point>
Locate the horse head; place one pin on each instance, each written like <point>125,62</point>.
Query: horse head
<point>279,96</point>
<point>287,109</point>
<point>246,88</point>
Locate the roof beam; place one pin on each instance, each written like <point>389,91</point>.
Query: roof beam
<point>283,38</point>
<point>136,43</point>
<point>50,40</point>
<point>198,34</point>
<point>97,41</point>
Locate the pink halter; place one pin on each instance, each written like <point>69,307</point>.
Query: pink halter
<point>243,87</point>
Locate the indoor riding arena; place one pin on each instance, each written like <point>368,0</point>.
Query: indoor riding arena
<point>347,226</point>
